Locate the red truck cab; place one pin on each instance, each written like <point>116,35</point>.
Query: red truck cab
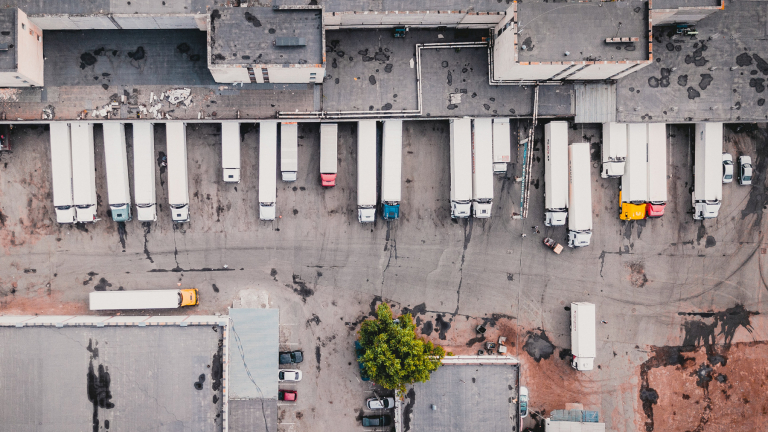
<point>655,210</point>
<point>328,180</point>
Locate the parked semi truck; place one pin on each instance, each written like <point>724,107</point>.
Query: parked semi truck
<point>461,167</point>
<point>501,145</point>
<point>267,170</point>
<point>366,171</point>
<point>391,168</point>
<point>707,175</point>
<point>116,157</point>
<point>556,173</point>
<point>230,151</point>
<point>144,171</point>
<point>657,169</point>
<point>178,184</point>
<point>634,183</point>
<point>83,171</point>
<point>583,344</point>
<point>482,167</point>
<point>289,150</point>
<point>328,154</point>
<point>143,299</point>
<point>579,195</point>
<point>61,170</point>
<point>614,149</point>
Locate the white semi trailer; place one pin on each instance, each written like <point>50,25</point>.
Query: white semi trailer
<point>178,181</point>
<point>657,169</point>
<point>556,173</point>
<point>328,154</point>
<point>461,167</point>
<point>230,151</point>
<point>614,149</point>
<point>143,299</point>
<point>144,171</point>
<point>61,170</point>
<point>366,171</point>
<point>116,157</point>
<point>289,150</point>
<point>583,337</point>
<point>634,182</point>
<point>83,171</point>
<point>707,175</point>
<point>501,145</point>
<point>391,168</point>
<point>267,170</point>
<point>579,195</point>
<point>482,167</point>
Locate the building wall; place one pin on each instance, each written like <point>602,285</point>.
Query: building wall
<point>600,71</point>
<point>682,15</point>
<point>29,38</point>
<point>373,19</point>
<point>124,21</point>
<point>231,74</point>
<point>158,21</point>
<point>294,75</point>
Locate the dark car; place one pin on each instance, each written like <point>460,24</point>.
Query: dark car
<point>287,395</point>
<point>376,421</point>
<point>359,353</point>
<point>288,357</point>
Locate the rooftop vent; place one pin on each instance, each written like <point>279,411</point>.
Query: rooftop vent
<point>290,41</point>
<point>4,47</point>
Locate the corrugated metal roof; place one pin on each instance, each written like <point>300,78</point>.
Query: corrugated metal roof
<point>575,416</point>
<point>595,102</point>
<point>257,330</point>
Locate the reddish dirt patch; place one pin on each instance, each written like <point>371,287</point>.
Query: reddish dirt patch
<point>42,303</point>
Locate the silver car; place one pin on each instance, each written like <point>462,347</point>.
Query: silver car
<point>727,168</point>
<point>385,403</point>
<point>745,164</point>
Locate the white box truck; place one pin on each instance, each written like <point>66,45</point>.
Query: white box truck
<point>289,150</point>
<point>707,170</point>
<point>634,182</point>
<point>267,170</point>
<point>116,158</point>
<point>230,151</point>
<point>579,195</point>
<point>143,299</point>
<point>391,168</point>
<point>144,171</point>
<point>83,171</point>
<point>501,145</point>
<point>61,170</point>
<point>178,181</point>
<point>328,154</point>
<point>614,149</point>
<point>366,171</point>
<point>461,167</point>
<point>583,344</point>
<point>482,167</point>
<point>657,169</point>
<point>555,173</point>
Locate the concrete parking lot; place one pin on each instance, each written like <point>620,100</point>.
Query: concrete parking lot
<point>326,272</point>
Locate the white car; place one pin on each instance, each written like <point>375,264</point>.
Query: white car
<point>727,168</point>
<point>745,164</point>
<point>523,402</point>
<point>289,375</point>
<point>386,403</point>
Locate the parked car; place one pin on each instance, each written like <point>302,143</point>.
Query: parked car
<point>727,168</point>
<point>359,353</point>
<point>523,402</point>
<point>287,395</point>
<point>289,375</point>
<point>377,421</point>
<point>745,169</point>
<point>288,357</point>
<point>376,403</point>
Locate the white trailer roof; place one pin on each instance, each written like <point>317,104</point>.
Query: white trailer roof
<point>579,188</point>
<point>366,163</point>
<point>482,159</point>
<point>267,161</point>
<point>657,162</point>
<point>144,163</point>
<point>328,151</point>
<point>614,142</point>
<point>556,165</point>
<point>176,147</point>
<point>230,145</point>
<point>583,335</point>
<point>61,164</point>
<point>708,182</point>
<point>138,299</point>
<point>83,164</point>
<point>289,146</point>
<point>116,157</point>
<point>391,160</point>
<point>501,141</point>
<point>634,182</point>
<point>461,159</point>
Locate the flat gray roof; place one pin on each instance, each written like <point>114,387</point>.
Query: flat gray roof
<point>248,36</point>
<point>8,39</point>
<point>123,378</point>
<point>467,397</point>
<point>674,4</point>
<point>256,331</point>
<point>548,30</point>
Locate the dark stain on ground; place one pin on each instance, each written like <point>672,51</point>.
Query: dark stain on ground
<point>303,290</point>
<point>30,270</point>
<point>87,59</point>
<point>757,84</point>
<point>317,356</point>
<point>728,321</point>
<point>137,55</point>
<point>761,64</point>
<point>102,285</point>
<point>419,309</point>
<point>450,78</point>
<point>374,304</point>
<point>441,326</point>
<point>426,330</point>
<point>682,80</point>
<point>408,410</point>
<point>199,383</point>
<point>693,93</point>
<point>314,320</point>
<point>528,43</point>
<point>743,60</point>
<point>217,368</point>
<point>121,233</point>
<point>372,80</point>
<point>183,48</point>
<point>387,106</point>
<point>538,345</point>
<point>710,242</point>
<point>706,80</point>
<point>93,348</point>
<point>475,340</point>
<point>215,288</point>
<point>147,229</point>
<point>252,19</point>
<point>215,399</point>
<point>564,354</point>
<point>99,393</point>
<point>637,274</point>
<point>701,233</point>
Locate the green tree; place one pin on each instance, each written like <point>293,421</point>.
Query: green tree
<point>393,355</point>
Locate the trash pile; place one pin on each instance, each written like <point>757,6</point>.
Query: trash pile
<point>175,98</point>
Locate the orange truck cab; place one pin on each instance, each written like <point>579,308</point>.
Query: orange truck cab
<point>631,211</point>
<point>189,297</point>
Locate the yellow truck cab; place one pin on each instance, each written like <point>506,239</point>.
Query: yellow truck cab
<point>189,297</point>
<point>629,211</point>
